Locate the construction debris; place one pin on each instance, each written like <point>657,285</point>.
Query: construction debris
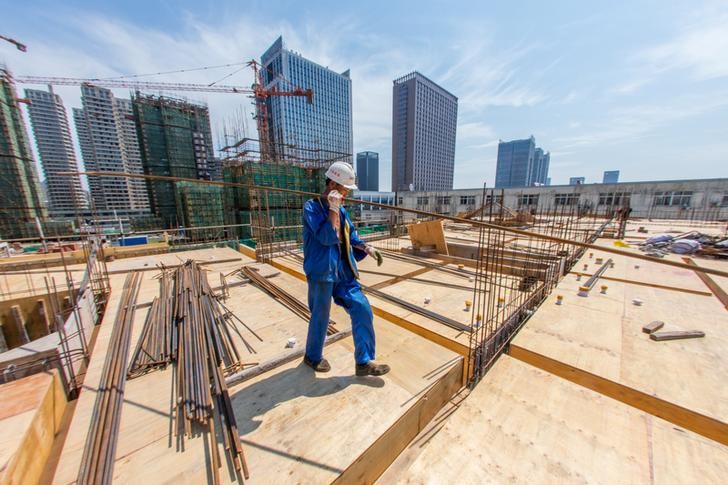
<point>677,335</point>
<point>692,242</point>
<point>653,326</point>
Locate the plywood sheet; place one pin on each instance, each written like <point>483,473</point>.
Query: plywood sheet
<point>601,334</point>
<point>428,234</point>
<point>523,425</point>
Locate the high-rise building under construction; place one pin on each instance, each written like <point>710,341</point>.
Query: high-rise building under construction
<point>55,149</point>
<point>20,194</point>
<point>175,140</point>
<point>108,140</point>
<point>303,133</point>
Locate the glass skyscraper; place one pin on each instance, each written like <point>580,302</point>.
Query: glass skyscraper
<point>367,171</point>
<point>301,133</point>
<point>610,177</point>
<point>424,124</point>
<point>521,164</point>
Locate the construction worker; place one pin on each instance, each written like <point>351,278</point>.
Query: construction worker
<point>331,248</point>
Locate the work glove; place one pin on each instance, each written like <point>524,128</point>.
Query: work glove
<point>374,253</point>
<point>334,199</point>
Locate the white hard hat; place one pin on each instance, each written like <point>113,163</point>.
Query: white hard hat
<point>342,173</point>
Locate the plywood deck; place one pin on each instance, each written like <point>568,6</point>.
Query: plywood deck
<point>451,300</point>
<point>294,424</point>
<point>31,409</point>
<point>601,334</point>
<point>523,425</point>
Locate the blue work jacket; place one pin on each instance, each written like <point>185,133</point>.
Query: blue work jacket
<point>322,250</point>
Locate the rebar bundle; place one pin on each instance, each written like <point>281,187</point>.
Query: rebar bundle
<point>204,350</point>
<point>99,452</point>
<point>187,325</point>
<point>158,338</point>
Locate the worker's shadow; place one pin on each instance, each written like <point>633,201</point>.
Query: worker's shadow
<point>252,403</point>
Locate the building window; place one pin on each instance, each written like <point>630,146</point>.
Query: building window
<point>467,200</point>
<point>443,199</point>
<point>673,198</point>
<point>613,198</point>
<point>527,200</point>
<point>423,200</point>
<point>566,199</point>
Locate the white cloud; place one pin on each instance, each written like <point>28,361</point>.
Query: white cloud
<point>630,123</point>
<point>474,129</point>
<point>698,48</point>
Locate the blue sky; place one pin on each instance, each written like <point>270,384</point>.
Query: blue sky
<point>640,87</point>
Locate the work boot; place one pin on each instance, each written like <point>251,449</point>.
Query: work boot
<point>322,366</point>
<point>371,369</point>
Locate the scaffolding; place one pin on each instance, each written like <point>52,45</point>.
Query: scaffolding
<point>274,217</point>
<point>200,206</point>
<point>175,140</point>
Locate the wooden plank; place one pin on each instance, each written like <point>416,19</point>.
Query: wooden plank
<point>375,460</point>
<point>719,292</point>
<point>677,335</point>
<point>422,331</point>
<point>653,326</point>
<point>403,277</point>
<point>428,233</point>
<point>686,418</point>
<point>645,283</point>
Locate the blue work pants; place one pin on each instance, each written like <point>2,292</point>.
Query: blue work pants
<point>347,294</point>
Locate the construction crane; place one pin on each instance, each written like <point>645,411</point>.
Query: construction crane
<point>21,47</point>
<point>258,92</point>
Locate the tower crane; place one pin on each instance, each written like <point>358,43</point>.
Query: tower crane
<point>258,92</point>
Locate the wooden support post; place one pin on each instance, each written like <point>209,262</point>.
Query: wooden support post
<point>3,342</point>
<point>43,315</point>
<point>19,321</point>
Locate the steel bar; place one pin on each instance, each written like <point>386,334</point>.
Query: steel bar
<point>100,448</point>
<point>598,273</point>
<point>285,298</point>
<point>418,309</point>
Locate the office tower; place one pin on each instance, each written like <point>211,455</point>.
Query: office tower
<point>610,177</point>
<point>521,164</point>
<point>175,141</point>
<point>55,148</point>
<point>367,171</point>
<point>303,133</point>
<point>541,163</point>
<point>20,193</point>
<point>424,123</point>
<point>577,180</point>
<point>108,140</point>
